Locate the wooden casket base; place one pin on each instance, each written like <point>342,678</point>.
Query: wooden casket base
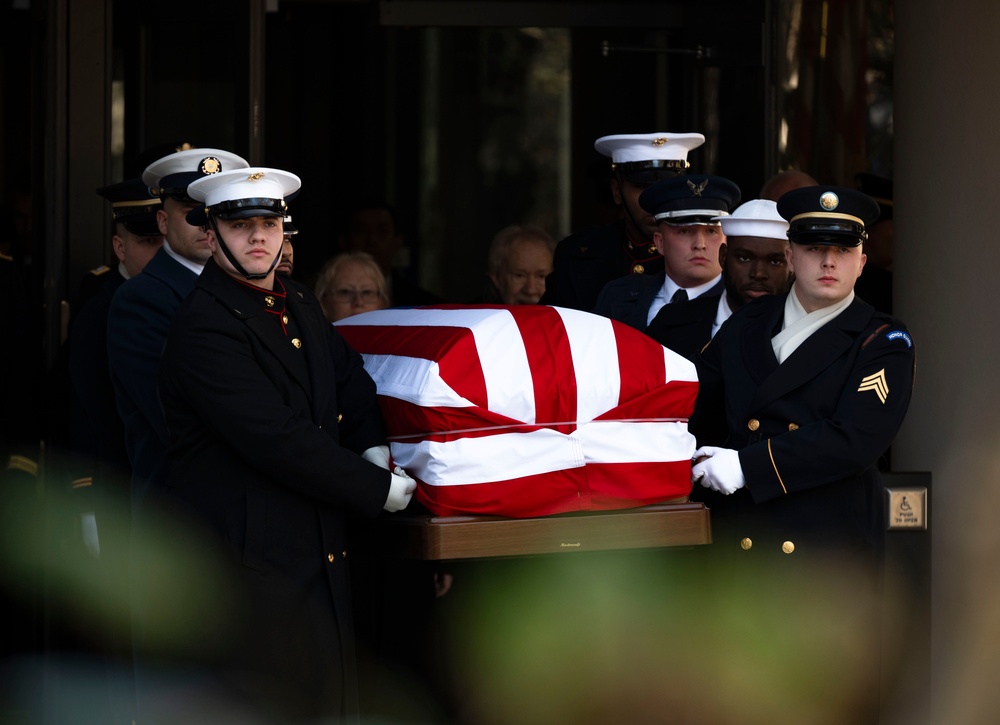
<point>433,538</point>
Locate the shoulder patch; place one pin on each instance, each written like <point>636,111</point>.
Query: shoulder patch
<point>899,335</point>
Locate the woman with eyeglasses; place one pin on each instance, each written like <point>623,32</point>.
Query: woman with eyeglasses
<point>349,284</point>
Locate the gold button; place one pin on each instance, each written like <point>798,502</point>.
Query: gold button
<point>340,417</point>
<point>788,547</point>
<point>269,301</point>
<point>297,342</point>
<point>638,268</point>
<point>746,543</point>
<point>793,426</point>
<point>330,558</point>
<point>343,554</point>
<point>284,318</point>
<point>753,424</point>
<point>651,249</point>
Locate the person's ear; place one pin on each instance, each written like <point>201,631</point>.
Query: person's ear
<point>788,259</point>
<point>659,242</point>
<point>723,251</point>
<point>118,245</point>
<point>161,221</point>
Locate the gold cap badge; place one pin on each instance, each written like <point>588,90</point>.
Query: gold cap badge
<point>829,201</point>
<point>210,165</point>
<point>659,140</point>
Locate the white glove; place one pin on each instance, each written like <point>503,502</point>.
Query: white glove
<point>379,455</point>
<point>720,471</point>
<point>401,490</point>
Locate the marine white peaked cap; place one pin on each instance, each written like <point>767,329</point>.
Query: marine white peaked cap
<point>196,162</point>
<point>253,183</point>
<point>627,148</point>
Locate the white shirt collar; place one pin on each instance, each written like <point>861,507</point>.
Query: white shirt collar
<point>723,313</point>
<point>667,290</point>
<point>195,267</point>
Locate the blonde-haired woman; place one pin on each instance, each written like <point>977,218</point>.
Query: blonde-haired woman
<point>349,284</point>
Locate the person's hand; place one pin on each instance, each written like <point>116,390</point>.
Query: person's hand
<point>401,489</point>
<point>718,469</point>
<point>379,455</point>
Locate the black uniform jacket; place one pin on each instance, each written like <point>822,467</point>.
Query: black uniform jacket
<point>267,409</point>
<point>586,261</point>
<point>628,299</point>
<point>809,431</point>
<point>686,327</point>
<point>138,321</point>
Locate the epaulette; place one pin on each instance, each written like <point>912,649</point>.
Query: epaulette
<point>98,271</point>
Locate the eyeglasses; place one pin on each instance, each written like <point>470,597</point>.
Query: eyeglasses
<point>348,295</point>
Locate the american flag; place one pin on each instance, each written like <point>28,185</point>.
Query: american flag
<point>528,410</point>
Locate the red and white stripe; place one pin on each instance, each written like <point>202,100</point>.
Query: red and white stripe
<point>528,410</point>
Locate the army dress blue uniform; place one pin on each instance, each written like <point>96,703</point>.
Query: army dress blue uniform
<point>809,431</point>
<point>268,409</point>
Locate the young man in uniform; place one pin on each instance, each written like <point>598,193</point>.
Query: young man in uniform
<point>686,210</point>
<point>276,438</point>
<point>812,386</point>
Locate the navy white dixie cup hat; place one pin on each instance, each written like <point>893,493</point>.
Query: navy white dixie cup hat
<point>243,193</point>
<point>133,206</point>
<point>688,200</point>
<point>171,175</point>
<point>649,157</point>
<point>834,215</point>
<point>755,218</point>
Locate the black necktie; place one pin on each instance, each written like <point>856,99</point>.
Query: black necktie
<point>680,295</point>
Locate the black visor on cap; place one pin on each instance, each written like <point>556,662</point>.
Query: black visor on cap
<point>175,185</point>
<point>247,208</point>
<point>827,231</point>
<point>649,172</point>
<point>138,217</point>
<point>197,217</point>
<point>690,219</point>
<point>141,226</point>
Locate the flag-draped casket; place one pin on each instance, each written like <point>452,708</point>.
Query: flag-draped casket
<point>528,410</point>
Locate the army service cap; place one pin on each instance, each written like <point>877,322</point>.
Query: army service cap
<point>645,158</point>
<point>244,193</point>
<point>688,200</point>
<point>833,215</point>
<point>170,176</point>
<point>755,218</point>
<point>133,206</point>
